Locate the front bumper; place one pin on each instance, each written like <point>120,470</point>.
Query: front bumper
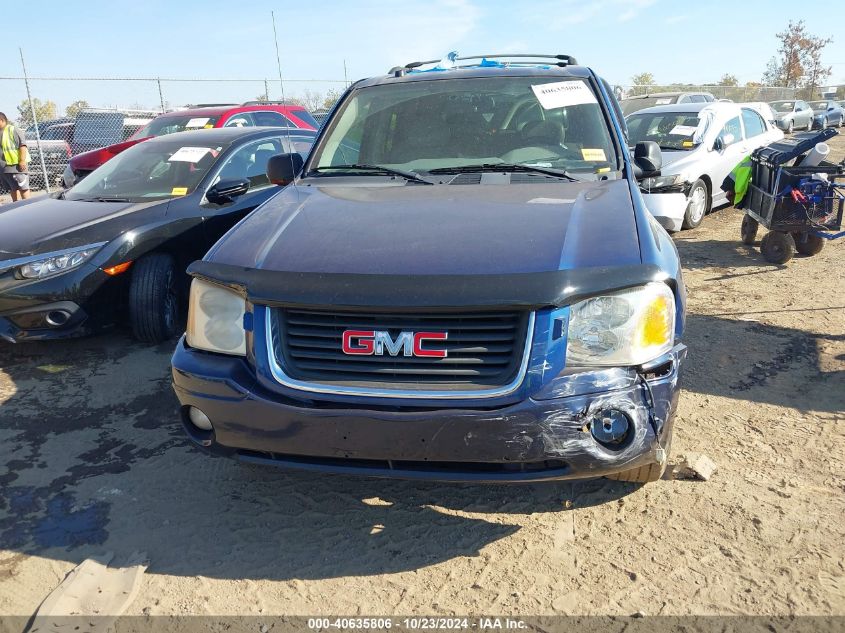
<point>530,440</point>
<point>667,208</point>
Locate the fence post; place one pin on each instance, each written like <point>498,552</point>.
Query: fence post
<point>160,94</point>
<point>35,123</point>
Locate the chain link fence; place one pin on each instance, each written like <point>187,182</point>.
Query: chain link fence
<point>739,94</point>
<point>66,116</point>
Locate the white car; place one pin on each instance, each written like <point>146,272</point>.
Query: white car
<point>701,143</point>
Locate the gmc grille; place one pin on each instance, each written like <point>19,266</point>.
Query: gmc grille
<point>486,349</point>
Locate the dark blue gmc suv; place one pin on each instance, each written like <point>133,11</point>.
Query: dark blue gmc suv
<point>461,282</point>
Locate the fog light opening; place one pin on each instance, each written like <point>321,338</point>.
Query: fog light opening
<point>611,428</point>
<point>57,318</point>
<point>199,419</point>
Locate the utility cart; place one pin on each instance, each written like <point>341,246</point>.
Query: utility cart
<point>800,206</point>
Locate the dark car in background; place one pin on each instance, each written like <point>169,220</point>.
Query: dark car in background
<point>792,114</point>
<point>462,283</point>
<point>635,103</point>
<point>827,113</point>
<point>250,114</point>
<point>115,246</point>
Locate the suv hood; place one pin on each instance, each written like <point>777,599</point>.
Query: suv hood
<point>43,225</point>
<point>436,230</point>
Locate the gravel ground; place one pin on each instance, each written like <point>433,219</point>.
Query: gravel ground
<point>92,460</point>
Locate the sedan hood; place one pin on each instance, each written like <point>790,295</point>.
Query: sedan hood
<point>437,230</point>
<point>44,225</point>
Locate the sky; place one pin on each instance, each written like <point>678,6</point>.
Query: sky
<point>675,40</point>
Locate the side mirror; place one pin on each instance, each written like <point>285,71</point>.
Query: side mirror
<point>648,161</point>
<point>225,191</point>
<point>723,141</point>
<point>283,168</point>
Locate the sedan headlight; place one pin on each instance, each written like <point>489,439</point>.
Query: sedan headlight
<point>57,263</point>
<point>661,181</point>
<point>216,319</point>
<point>625,328</point>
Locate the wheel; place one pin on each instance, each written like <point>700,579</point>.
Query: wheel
<point>649,472</point>
<point>810,124</point>
<point>777,247</point>
<point>824,124</point>
<point>791,127</point>
<point>749,230</point>
<point>807,243</point>
<point>698,204</point>
<point>153,298</point>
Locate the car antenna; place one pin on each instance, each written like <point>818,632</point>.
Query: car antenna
<point>282,85</point>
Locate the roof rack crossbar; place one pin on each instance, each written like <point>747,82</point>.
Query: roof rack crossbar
<point>562,60</point>
<point>259,102</point>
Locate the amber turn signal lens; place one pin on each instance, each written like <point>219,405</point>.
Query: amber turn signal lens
<point>116,270</point>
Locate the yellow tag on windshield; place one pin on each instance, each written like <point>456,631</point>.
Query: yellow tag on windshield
<point>686,144</point>
<point>208,125</point>
<point>179,191</point>
<point>593,154</point>
<point>602,170</point>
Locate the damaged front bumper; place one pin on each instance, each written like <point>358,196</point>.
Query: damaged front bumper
<point>544,437</point>
<point>668,205</point>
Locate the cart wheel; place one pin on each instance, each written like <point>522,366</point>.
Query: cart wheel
<point>807,243</point>
<point>749,229</point>
<point>777,247</point>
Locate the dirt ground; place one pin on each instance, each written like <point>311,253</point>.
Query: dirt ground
<point>92,460</point>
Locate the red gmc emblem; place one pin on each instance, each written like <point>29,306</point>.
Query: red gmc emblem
<point>375,343</point>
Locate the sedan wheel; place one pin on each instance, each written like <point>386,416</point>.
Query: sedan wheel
<point>698,203</point>
<point>824,124</point>
<point>791,127</point>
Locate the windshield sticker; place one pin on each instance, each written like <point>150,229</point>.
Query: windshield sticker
<point>593,154</point>
<point>683,130</point>
<point>663,102</point>
<point>208,126</point>
<point>198,122</point>
<point>563,93</point>
<point>188,154</point>
<point>687,144</point>
<point>179,191</point>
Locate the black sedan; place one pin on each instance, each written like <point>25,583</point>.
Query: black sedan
<point>114,247</point>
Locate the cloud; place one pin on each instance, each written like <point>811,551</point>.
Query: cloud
<point>675,19</point>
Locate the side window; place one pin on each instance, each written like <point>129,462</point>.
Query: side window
<point>250,162</point>
<point>801,105</point>
<point>754,125</point>
<point>244,119</point>
<point>272,119</point>
<point>732,128</point>
<point>684,99</point>
<point>697,99</point>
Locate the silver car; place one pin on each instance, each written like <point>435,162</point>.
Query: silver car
<point>827,113</point>
<point>701,143</point>
<point>793,114</point>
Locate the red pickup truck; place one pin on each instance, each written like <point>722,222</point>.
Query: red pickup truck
<point>250,114</point>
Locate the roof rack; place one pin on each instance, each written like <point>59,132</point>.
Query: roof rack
<point>560,60</point>
<point>210,105</point>
<point>281,103</point>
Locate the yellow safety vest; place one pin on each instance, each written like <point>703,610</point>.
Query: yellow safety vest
<point>10,151</point>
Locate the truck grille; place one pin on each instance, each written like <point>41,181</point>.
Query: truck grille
<point>486,350</point>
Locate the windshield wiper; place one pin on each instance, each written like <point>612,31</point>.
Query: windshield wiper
<point>376,169</point>
<point>104,199</point>
<point>505,167</point>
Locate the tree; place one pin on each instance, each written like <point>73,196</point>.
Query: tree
<point>773,73</point>
<point>75,108</point>
<point>45,111</point>
<point>728,80</point>
<point>263,98</point>
<point>793,43</point>
<point>641,82</point>
<point>815,72</point>
<point>331,98</point>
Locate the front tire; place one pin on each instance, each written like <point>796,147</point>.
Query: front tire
<point>777,247</point>
<point>153,298</point>
<point>698,204</point>
<point>791,127</point>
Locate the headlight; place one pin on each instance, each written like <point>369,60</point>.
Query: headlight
<point>625,328</point>
<point>57,263</point>
<point>661,181</point>
<point>216,319</point>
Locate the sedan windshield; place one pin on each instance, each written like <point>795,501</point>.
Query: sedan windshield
<point>148,171</point>
<point>169,124</point>
<point>670,130</point>
<point>783,106</point>
<point>820,105</point>
<point>451,124</point>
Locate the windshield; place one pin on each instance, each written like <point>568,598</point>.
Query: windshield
<point>670,130</point>
<point>641,103</point>
<point>819,105</point>
<point>169,124</point>
<point>447,124</point>
<point>149,171</point>
<point>305,115</point>
<point>783,106</point>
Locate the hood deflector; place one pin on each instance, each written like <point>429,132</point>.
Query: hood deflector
<point>344,290</point>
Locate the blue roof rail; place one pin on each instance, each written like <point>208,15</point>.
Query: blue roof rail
<point>503,60</point>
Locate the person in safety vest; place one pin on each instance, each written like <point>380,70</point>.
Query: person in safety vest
<point>13,160</point>
<point>737,182</point>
